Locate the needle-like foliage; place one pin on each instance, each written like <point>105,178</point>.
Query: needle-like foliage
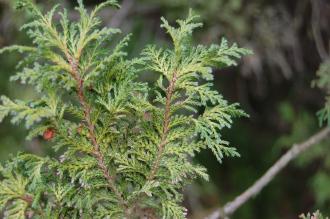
<point>124,146</point>
<point>323,82</point>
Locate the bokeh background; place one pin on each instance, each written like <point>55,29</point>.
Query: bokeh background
<point>290,40</point>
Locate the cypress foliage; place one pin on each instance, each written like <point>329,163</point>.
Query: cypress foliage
<point>316,215</point>
<point>123,145</point>
<point>323,82</point>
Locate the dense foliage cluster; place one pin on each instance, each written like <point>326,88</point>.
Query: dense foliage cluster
<point>124,146</point>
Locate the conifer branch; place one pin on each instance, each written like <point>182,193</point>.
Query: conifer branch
<point>163,141</point>
<point>91,129</point>
<point>252,191</point>
<point>166,124</point>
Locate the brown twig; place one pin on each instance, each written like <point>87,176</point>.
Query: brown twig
<point>252,191</point>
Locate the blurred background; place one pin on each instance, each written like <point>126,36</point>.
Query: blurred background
<point>290,40</point>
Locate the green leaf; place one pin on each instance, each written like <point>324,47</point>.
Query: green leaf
<point>24,111</point>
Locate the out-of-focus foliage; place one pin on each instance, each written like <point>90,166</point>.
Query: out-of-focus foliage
<point>10,21</point>
<point>302,125</point>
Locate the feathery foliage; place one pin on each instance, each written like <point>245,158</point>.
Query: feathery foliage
<point>323,82</point>
<point>124,146</point>
<point>316,215</point>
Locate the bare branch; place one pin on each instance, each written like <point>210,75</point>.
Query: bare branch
<point>291,154</point>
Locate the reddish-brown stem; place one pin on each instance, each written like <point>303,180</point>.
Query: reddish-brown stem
<point>166,125</point>
<point>163,139</point>
<point>29,200</point>
<point>91,129</point>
